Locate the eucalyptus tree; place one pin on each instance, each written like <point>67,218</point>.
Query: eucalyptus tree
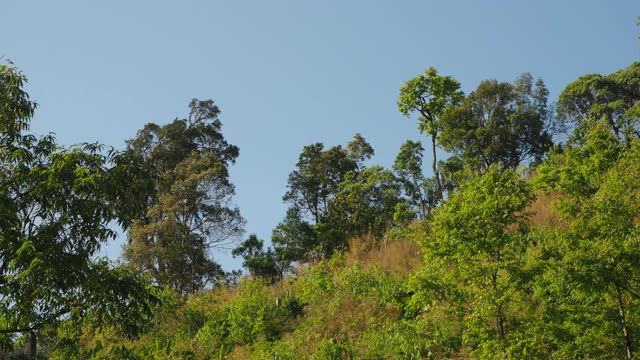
<point>189,209</point>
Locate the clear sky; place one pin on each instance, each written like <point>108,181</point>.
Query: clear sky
<point>290,73</point>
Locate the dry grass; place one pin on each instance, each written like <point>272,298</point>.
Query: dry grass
<point>353,317</point>
<point>543,210</point>
<point>394,256</point>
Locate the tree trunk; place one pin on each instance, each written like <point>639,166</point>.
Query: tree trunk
<point>421,199</point>
<point>33,344</point>
<point>500,324</point>
<point>435,167</point>
<point>499,313</point>
<point>623,320</point>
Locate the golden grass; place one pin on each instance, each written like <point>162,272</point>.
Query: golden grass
<point>394,256</point>
<point>543,210</point>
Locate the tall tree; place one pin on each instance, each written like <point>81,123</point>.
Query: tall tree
<point>294,240</point>
<point>366,202</point>
<point>313,189</point>
<point>421,193</point>
<point>612,99</point>
<point>319,172</point>
<point>601,254</point>
<point>260,262</point>
<point>499,123</point>
<point>189,210</point>
<point>56,206</point>
<point>430,95</point>
<point>594,268</point>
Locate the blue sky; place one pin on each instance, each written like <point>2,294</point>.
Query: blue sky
<point>290,73</point>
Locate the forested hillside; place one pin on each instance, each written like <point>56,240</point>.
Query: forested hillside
<point>523,243</point>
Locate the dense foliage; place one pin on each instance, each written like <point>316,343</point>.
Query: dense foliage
<point>515,247</point>
<point>56,207</point>
<point>188,210</point>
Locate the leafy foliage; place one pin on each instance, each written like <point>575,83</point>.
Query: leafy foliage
<point>56,206</point>
<point>499,123</point>
<point>259,262</point>
<point>612,99</point>
<point>294,239</point>
<point>189,209</point>
<point>430,95</point>
<point>349,272</point>
<point>366,202</point>
<point>421,192</point>
<point>319,173</point>
<point>475,256</point>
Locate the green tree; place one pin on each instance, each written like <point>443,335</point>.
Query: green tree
<point>189,209</point>
<point>421,191</point>
<point>594,270</point>
<point>294,240</point>
<point>612,99</point>
<point>499,123</point>
<point>475,256</point>
<point>576,169</point>
<point>430,95</point>
<point>312,190</point>
<point>602,253</point>
<point>366,202</point>
<point>260,263</point>
<point>56,206</point>
<point>319,173</point>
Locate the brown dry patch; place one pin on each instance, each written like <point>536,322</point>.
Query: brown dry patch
<point>543,210</point>
<point>461,354</point>
<point>240,352</point>
<point>395,256</point>
<point>351,317</point>
<point>223,295</point>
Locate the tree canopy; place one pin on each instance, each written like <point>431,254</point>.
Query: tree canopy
<point>499,122</point>
<point>56,207</point>
<point>430,95</point>
<point>612,99</point>
<point>516,248</point>
<point>189,208</point>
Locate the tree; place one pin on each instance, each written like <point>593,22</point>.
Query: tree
<point>430,95</point>
<point>294,240</point>
<point>475,255</point>
<point>499,123</point>
<point>602,253</point>
<point>366,202</point>
<point>321,177</point>
<point>595,270</point>
<point>56,206</point>
<point>612,99</point>
<point>421,192</point>
<point>260,263</point>
<point>340,195</point>
<point>189,210</point>
<point>319,173</point>
<point>577,168</point>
